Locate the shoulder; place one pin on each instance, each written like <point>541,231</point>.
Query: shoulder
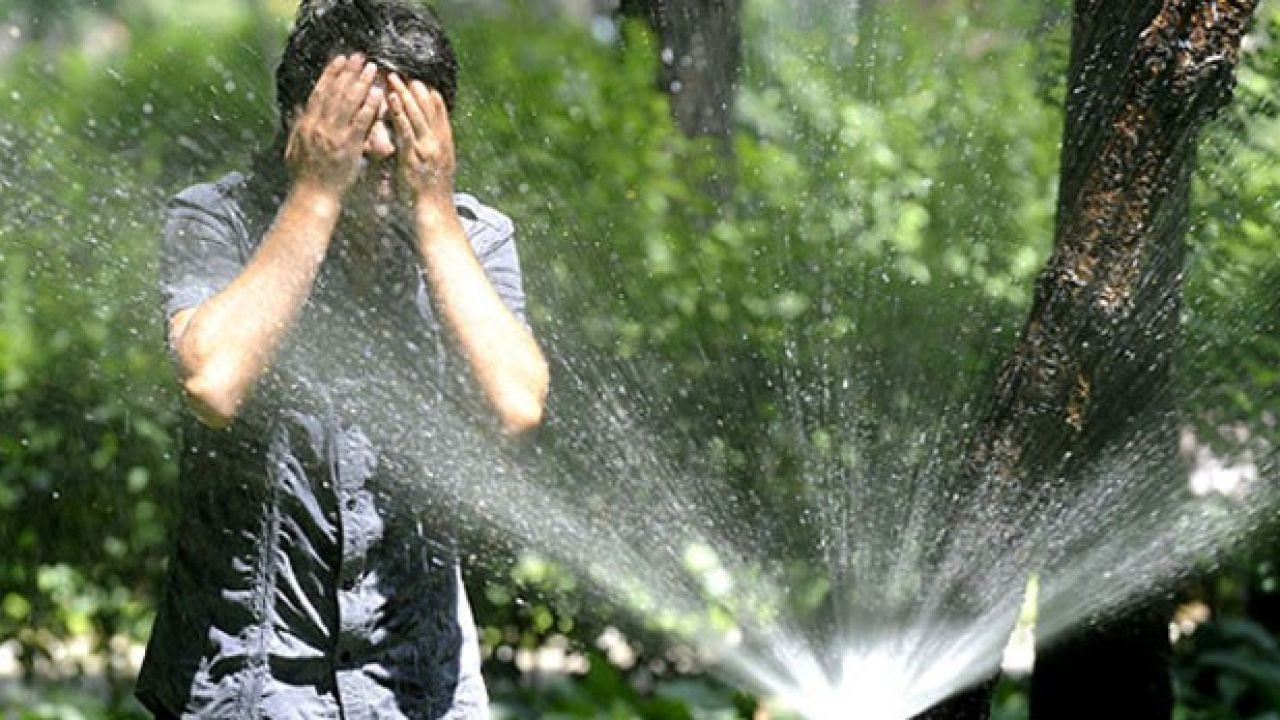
<point>218,207</point>
<point>480,219</point>
<point>211,196</point>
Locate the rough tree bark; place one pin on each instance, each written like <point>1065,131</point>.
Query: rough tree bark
<point>701,55</point>
<point>1144,79</point>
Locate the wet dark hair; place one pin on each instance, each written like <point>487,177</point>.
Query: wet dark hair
<point>403,36</point>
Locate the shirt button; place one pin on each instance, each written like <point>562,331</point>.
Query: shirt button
<point>349,584</point>
<point>351,504</point>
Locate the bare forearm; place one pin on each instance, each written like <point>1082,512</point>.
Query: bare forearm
<point>500,351</point>
<point>224,344</point>
<point>503,357</point>
<point>227,341</point>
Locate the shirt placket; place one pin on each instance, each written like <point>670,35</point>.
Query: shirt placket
<point>354,617</point>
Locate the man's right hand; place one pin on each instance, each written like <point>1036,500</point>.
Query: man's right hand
<point>326,143</point>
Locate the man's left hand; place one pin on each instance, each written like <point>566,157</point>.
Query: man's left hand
<point>424,142</point>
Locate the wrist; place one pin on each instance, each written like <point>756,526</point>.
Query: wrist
<point>317,197</point>
<point>437,221</point>
<point>436,209</point>
<point>434,200</point>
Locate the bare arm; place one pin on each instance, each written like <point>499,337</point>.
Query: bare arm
<point>223,344</point>
<point>500,351</point>
<point>502,354</point>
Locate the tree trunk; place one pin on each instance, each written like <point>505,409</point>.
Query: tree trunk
<point>1145,77</point>
<point>701,55</point>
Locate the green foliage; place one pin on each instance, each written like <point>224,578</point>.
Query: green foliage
<point>606,692</point>
<point>1010,699</point>
<point>829,175</point>
<point>888,175</point>
<point>862,209</point>
<point>39,702</point>
<point>1231,672</point>
<point>1232,336</point>
<point>85,385</point>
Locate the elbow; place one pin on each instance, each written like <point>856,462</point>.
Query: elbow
<point>521,418</point>
<point>522,408</point>
<point>212,399</point>
<point>209,385</point>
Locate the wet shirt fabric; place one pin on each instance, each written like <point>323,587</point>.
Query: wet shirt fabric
<point>302,582</point>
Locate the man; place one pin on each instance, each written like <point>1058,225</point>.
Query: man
<point>302,584</point>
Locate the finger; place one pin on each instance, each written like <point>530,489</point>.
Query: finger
<point>403,102</point>
<point>403,126</point>
<point>336,92</point>
<point>427,101</point>
<point>319,93</point>
<point>438,115</point>
<point>422,94</point>
<point>357,94</point>
<point>411,108</point>
<point>369,112</point>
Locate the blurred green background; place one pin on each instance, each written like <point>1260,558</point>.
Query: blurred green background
<point>914,141</point>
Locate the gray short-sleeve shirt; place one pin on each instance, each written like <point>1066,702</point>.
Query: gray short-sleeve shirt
<point>298,586</point>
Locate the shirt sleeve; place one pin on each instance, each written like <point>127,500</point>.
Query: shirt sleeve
<point>493,237</point>
<point>503,268</point>
<point>200,254</point>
